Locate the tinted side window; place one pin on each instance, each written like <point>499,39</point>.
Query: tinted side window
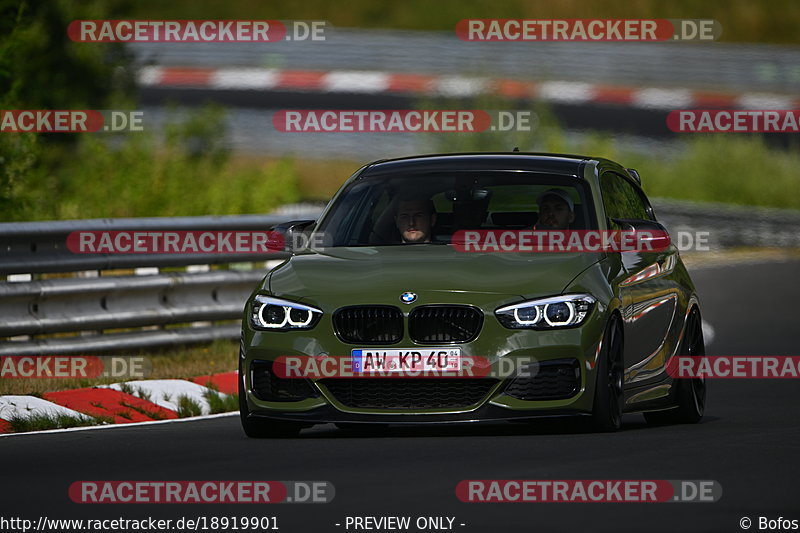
<point>621,199</point>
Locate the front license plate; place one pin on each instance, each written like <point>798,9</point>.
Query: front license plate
<point>407,360</point>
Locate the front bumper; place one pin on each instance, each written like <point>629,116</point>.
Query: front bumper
<point>504,349</point>
<point>487,413</point>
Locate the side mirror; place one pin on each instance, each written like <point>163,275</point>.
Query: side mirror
<point>295,234</point>
<point>650,236</point>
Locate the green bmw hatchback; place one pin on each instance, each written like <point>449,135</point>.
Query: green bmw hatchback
<point>416,299</point>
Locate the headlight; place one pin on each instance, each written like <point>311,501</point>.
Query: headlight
<point>280,315</point>
<point>548,313</point>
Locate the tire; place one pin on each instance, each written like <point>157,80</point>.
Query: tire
<point>690,394</point>
<point>608,390</point>
<point>262,429</point>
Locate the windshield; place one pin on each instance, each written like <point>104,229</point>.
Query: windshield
<point>419,208</point>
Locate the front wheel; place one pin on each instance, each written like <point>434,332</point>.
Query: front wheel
<point>608,389</point>
<point>690,394</point>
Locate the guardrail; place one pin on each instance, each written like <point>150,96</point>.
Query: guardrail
<point>79,313</point>
<point>732,225</point>
<point>143,308</point>
<point>39,247</point>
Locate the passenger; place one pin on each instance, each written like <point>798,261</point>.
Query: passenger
<point>556,210</point>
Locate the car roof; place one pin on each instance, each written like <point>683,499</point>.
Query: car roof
<point>563,164</point>
<point>556,163</point>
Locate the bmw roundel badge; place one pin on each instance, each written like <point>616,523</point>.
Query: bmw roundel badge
<point>408,297</point>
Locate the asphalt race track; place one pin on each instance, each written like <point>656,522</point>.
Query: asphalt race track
<point>749,442</point>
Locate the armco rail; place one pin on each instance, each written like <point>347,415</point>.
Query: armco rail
<point>731,226</point>
<point>38,247</point>
<point>142,305</point>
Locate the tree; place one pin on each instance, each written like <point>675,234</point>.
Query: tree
<point>41,68</point>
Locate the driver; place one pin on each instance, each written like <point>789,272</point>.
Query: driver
<point>415,218</point>
<point>556,210</point>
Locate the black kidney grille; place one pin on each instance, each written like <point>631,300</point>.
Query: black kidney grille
<point>271,388</point>
<point>369,324</point>
<point>554,380</point>
<point>444,323</point>
<point>401,393</point>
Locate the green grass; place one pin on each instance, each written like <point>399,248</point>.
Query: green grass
<point>221,403</point>
<point>143,394</point>
<point>723,167</point>
<point>185,172</point>
<point>218,403</point>
<point>155,415</point>
<point>184,362</point>
<point>190,173</point>
<point>42,422</point>
<point>188,407</point>
<point>139,180</point>
<point>727,169</point>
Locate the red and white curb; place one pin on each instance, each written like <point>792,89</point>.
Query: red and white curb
<point>378,82</point>
<point>149,400</point>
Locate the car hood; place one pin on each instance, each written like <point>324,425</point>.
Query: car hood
<point>436,273</point>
